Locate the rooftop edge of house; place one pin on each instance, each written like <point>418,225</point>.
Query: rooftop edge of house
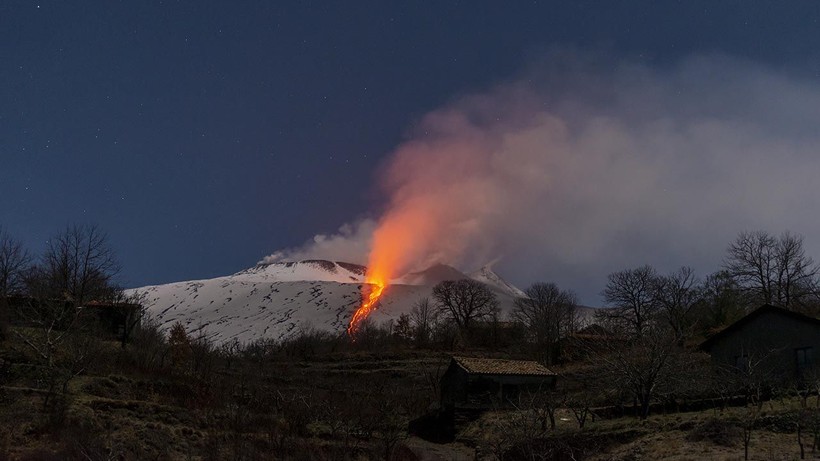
<point>709,342</point>
<point>483,366</point>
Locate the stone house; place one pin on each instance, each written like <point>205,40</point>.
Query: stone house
<point>483,384</point>
<point>780,343</point>
<point>471,386</point>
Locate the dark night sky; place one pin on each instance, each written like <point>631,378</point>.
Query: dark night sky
<point>203,135</point>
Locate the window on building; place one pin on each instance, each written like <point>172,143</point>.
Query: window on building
<point>804,357</point>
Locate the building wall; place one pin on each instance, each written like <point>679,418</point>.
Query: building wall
<point>453,386</point>
<point>778,340</point>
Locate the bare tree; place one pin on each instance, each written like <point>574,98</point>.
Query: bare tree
<point>720,303</point>
<point>646,367</point>
<point>631,293</point>
<point>14,261</point>
<point>51,317</point>
<point>402,329</point>
<point>579,404</point>
<point>806,417</point>
<point>423,319</point>
<point>77,266</point>
<point>543,403</point>
<point>677,295</point>
<point>465,301</point>
<point>772,270</point>
<point>516,430</point>
<point>549,314</point>
<point>751,377</point>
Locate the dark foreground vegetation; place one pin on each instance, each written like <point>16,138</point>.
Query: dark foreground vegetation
<point>633,385</point>
<point>319,397</point>
<point>184,398</point>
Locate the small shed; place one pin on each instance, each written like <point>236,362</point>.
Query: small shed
<point>780,342</point>
<point>482,384</point>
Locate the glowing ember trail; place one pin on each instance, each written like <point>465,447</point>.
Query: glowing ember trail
<point>376,287</point>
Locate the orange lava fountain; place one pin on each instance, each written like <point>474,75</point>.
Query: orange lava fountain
<point>402,235</point>
<point>375,288</point>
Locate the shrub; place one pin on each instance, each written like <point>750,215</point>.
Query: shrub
<point>180,345</point>
<point>149,347</point>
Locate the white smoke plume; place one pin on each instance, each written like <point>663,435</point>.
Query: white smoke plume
<point>350,243</point>
<point>580,168</point>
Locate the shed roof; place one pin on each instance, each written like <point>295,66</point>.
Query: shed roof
<point>482,366</point>
<point>706,345</point>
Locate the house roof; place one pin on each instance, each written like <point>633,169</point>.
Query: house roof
<point>482,366</point>
<point>751,316</point>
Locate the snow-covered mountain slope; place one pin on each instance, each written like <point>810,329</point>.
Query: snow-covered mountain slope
<point>277,300</point>
<point>487,276</point>
<point>313,270</point>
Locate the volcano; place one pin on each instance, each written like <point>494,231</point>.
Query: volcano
<point>278,300</point>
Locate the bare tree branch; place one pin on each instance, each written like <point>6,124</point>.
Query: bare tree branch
<point>548,313</point>
<point>677,295</point>
<point>465,301</point>
<point>631,293</point>
<point>772,270</point>
<point>14,260</point>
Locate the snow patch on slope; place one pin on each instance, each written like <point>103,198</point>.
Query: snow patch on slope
<point>278,300</point>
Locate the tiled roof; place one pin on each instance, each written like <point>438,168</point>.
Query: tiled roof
<point>502,367</point>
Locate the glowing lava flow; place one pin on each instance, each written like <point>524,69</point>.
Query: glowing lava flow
<point>376,287</point>
<point>402,234</point>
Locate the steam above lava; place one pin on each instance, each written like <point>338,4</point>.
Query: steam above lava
<point>585,166</point>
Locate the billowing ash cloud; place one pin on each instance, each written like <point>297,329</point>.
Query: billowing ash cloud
<point>581,168</point>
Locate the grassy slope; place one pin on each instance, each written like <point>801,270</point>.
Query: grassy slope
<point>115,409</point>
